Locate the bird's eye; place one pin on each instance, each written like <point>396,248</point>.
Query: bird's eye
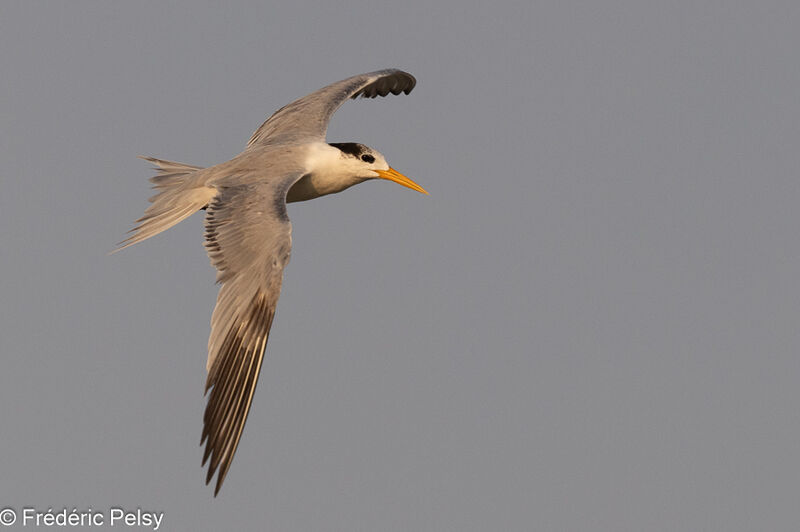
<point>368,159</point>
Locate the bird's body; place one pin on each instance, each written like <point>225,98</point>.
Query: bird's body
<point>248,233</point>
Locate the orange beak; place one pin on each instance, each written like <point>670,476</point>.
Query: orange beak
<point>393,175</point>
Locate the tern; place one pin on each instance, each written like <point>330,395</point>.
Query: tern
<point>248,234</point>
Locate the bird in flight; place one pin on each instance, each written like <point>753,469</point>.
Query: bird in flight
<point>248,234</point>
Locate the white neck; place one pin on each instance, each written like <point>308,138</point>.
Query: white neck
<point>327,171</point>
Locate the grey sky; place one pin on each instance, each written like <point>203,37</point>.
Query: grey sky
<point>590,324</point>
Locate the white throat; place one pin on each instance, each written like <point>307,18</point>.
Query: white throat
<point>328,171</point>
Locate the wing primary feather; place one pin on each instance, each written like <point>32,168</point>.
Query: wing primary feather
<point>224,418</point>
<point>229,415</point>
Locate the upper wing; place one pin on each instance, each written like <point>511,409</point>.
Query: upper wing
<point>248,238</point>
<point>307,118</point>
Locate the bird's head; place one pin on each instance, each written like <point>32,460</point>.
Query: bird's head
<point>334,167</point>
<point>362,163</point>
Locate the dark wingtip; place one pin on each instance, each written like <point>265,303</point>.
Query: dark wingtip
<point>394,81</point>
<point>206,453</point>
<point>210,473</point>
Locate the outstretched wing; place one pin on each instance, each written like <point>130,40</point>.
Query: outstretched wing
<point>307,118</point>
<point>248,238</point>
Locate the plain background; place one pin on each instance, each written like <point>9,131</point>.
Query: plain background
<point>590,324</point>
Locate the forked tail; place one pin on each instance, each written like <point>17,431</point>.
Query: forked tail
<point>179,196</point>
